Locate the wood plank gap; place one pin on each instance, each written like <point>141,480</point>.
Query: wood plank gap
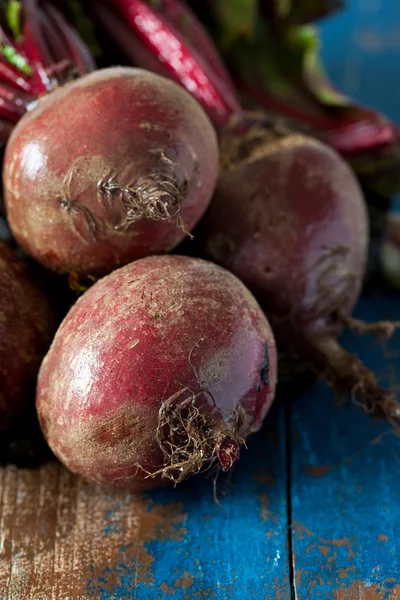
<point>288,434</point>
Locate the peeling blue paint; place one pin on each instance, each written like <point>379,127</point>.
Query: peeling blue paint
<point>230,551</point>
<point>351,508</point>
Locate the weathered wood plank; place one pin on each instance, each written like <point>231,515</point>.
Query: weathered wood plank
<point>345,487</point>
<point>63,538</point>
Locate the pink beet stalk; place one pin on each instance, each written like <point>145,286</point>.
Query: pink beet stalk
<point>78,53</point>
<point>184,20</point>
<point>346,137</point>
<point>35,60</point>
<point>363,135</point>
<point>176,57</point>
<point>34,49</point>
<point>10,75</point>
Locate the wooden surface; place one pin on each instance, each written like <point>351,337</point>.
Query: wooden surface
<point>311,510</point>
<point>345,488</point>
<point>64,538</point>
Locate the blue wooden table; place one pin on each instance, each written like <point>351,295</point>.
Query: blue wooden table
<point>312,510</point>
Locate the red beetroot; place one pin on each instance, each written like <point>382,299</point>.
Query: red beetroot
<point>26,327</point>
<point>289,220</point>
<point>159,371</point>
<point>127,176</point>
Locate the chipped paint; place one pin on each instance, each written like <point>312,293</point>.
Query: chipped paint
<point>324,550</point>
<point>382,537</point>
<point>346,522</point>
<point>167,589</point>
<point>301,530</point>
<point>184,582</point>
<point>359,591</point>
<point>265,477</point>
<point>344,542</point>
<point>318,470</point>
<point>264,500</point>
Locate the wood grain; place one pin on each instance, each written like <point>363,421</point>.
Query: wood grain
<point>63,538</point>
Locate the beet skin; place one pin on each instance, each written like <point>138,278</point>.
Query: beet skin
<point>160,370</point>
<point>26,327</point>
<point>290,221</point>
<point>114,166</point>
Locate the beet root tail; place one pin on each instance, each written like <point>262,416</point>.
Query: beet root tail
<point>345,372</point>
<point>383,329</point>
<point>192,441</point>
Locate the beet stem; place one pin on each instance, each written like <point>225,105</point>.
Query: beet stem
<point>76,50</point>
<point>34,48</point>
<point>186,22</point>
<point>9,75</point>
<point>176,54</point>
<point>54,41</point>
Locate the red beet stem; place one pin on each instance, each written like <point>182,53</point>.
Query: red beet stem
<point>14,102</point>
<point>15,78</point>
<point>346,137</point>
<point>364,135</point>
<point>10,110</point>
<point>186,22</point>
<point>180,59</point>
<point>130,44</point>
<point>39,58</point>
<point>34,48</point>
<point>54,41</point>
<point>161,39</point>
<point>76,50</point>
<point>274,104</point>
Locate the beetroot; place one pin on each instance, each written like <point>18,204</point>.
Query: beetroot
<point>26,327</point>
<point>112,167</point>
<point>159,371</point>
<point>290,221</point>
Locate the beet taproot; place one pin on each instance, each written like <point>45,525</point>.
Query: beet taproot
<point>117,165</point>
<point>159,371</point>
<point>27,324</point>
<point>289,220</point>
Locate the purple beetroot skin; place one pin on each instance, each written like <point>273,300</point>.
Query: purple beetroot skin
<point>161,370</point>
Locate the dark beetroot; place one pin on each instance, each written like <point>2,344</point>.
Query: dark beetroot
<point>290,221</point>
<point>114,166</point>
<point>161,370</point>
<point>27,324</point>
